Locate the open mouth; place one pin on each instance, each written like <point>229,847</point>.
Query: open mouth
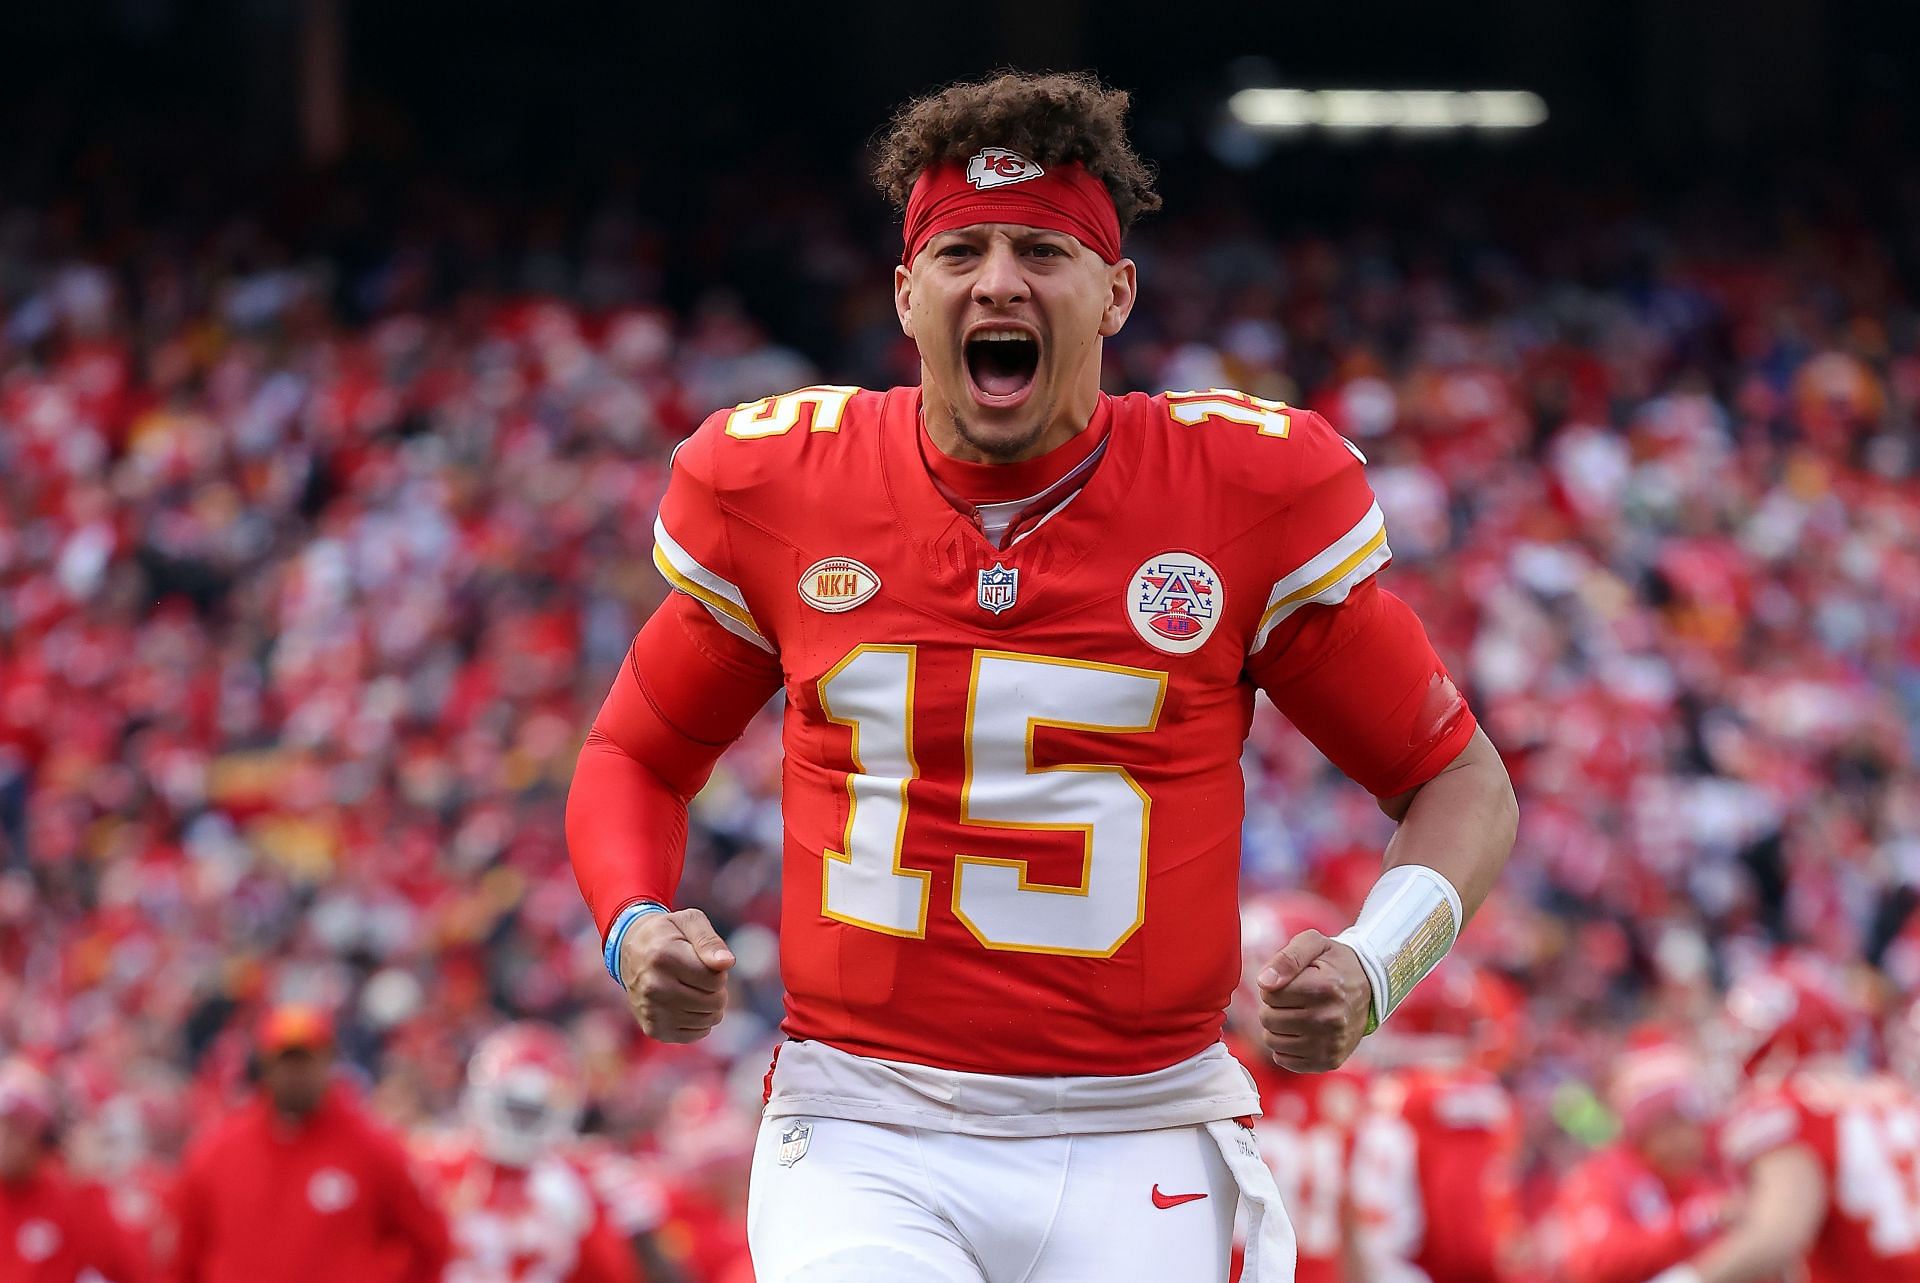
<point>1001,364</point>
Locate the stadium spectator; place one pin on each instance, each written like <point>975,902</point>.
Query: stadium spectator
<point>53,1229</point>
<point>301,1184</point>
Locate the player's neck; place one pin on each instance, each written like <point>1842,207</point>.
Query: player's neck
<point>989,483</point>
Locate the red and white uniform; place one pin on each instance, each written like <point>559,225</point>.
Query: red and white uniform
<point>1620,1221</point>
<point>1433,1177</point>
<point>635,1198</point>
<point>543,1223</point>
<point>138,1202</point>
<point>1306,1132</point>
<point>56,1230</point>
<point>1012,801</point>
<point>1012,792</point>
<point>1865,1134</point>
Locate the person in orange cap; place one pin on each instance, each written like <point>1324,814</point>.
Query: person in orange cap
<point>302,1185</point>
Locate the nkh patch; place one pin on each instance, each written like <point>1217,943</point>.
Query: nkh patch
<point>999,588</point>
<point>835,584</point>
<point>1174,601</point>
<point>998,167</point>
<point>793,1143</point>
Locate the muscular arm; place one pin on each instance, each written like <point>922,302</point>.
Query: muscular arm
<point>687,690</point>
<point>1461,822</point>
<point>1786,1201</point>
<point>1362,682</point>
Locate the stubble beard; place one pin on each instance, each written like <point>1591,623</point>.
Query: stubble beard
<point>1002,449</point>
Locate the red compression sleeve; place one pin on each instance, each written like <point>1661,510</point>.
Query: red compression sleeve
<point>1362,682</point>
<point>687,690</point>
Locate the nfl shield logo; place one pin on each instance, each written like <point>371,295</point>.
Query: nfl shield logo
<point>793,1143</point>
<point>999,587</point>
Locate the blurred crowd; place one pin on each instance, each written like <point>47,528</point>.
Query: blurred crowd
<point>319,551</point>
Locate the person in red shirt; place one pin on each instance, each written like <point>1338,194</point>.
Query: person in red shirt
<point>1435,1162</point>
<point>1307,1122</point>
<point>1831,1154</point>
<point>110,1147</point>
<point>1020,625</point>
<point>1654,1196</point>
<point>301,1185</point>
<point>52,1228</point>
<point>523,1205</point>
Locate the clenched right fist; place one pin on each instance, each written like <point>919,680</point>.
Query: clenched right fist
<point>675,966</point>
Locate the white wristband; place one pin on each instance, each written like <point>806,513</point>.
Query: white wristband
<point>1409,921</point>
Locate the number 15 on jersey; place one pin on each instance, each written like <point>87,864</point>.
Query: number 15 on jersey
<point>1010,696</point>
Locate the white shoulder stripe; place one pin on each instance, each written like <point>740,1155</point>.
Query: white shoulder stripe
<point>722,598</point>
<point>1330,575</point>
<point>734,626</point>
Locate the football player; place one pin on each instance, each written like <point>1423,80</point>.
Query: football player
<point>1831,1154</point>
<point>1435,1163</point>
<point>1655,1195</point>
<point>1307,1121</point>
<point>1020,624</point>
<point>522,1207</point>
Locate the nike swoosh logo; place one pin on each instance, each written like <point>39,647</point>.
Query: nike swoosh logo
<point>1164,1201</point>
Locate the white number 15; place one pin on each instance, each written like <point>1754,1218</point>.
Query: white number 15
<point>1009,696</point>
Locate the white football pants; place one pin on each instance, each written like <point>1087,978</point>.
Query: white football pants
<point>871,1203</point>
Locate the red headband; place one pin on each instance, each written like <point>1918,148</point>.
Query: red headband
<point>1000,186</point>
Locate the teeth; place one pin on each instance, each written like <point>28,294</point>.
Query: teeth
<point>1002,336</point>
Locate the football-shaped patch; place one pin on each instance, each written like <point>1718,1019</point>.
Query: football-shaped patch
<point>1174,601</point>
<point>837,583</point>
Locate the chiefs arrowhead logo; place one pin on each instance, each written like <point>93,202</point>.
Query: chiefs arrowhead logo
<point>998,167</point>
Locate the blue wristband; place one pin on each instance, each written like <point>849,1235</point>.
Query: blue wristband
<point>618,932</point>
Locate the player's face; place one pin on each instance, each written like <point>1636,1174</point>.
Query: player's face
<point>1677,1147</point>
<point>296,1079</point>
<point>19,1149</point>
<point>1009,321</point>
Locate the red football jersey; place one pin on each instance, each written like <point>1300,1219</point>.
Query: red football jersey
<point>1306,1134</point>
<point>54,1229</point>
<point>1618,1221</point>
<point>539,1224</point>
<point>1433,1176</point>
<point>1865,1133</point>
<point>1012,787</point>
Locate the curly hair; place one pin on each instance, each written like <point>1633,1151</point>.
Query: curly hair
<point>1051,118</point>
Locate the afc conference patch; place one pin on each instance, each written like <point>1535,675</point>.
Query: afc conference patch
<point>793,1143</point>
<point>999,588</point>
<point>1174,601</point>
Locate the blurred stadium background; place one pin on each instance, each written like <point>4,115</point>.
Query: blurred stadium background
<point>342,347</point>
